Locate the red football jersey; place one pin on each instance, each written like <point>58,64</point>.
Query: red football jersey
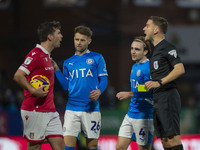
<point>38,62</point>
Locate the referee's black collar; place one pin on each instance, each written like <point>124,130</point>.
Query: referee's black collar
<point>160,43</point>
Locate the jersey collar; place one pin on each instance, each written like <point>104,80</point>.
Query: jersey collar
<point>145,61</point>
<point>43,49</point>
<point>88,51</point>
<point>159,43</point>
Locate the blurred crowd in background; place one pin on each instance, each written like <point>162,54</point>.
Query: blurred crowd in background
<point>115,23</point>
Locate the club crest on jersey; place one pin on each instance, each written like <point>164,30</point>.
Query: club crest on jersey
<point>89,61</point>
<point>138,73</point>
<point>173,53</point>
<point>28,60</point>
<point>32,135</point>
<point>155,65</point>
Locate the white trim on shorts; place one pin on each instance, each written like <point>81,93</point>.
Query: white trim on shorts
<point>77,121</point>
<point>38,126</point>
<point>141,129</point>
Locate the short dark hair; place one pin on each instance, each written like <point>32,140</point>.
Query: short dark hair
<point>161,22</point>
<point>47,28</point>
<point>83,30</point>
<point>146,43</point>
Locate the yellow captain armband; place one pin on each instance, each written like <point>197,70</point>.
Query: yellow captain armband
<point>142,88</point>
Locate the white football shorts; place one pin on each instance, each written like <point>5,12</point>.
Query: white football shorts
<point>77,121</point>
<point>140,130</point>
<point>38,126</point>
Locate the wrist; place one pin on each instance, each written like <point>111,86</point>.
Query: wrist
<point>99,91</point>
<point>131,94</point>
<point>160,82</point>
<point>56,69</point>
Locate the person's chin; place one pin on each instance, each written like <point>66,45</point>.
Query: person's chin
<point>133,59</point>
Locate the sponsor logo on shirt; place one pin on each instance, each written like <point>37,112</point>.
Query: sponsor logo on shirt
<point>84,72</point>
<point>49,68</point>
<point>134,83</point>
<point>28,60</point>
<point>173,53</point>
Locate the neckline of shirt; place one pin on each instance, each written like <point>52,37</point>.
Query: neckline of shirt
<point>159,43</point>
<point>88,51</point>
<point>43,49</point>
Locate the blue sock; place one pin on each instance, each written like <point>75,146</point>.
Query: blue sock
<point>93,149</point>
<point>69,148</point>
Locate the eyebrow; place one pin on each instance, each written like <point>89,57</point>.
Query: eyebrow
<point>136,48</point>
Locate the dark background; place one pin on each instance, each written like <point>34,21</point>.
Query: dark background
<point>115,23</point>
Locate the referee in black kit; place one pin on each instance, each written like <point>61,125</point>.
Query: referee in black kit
<point>165,67</point>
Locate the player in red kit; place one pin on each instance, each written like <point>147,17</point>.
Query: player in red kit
<point>40,119</point>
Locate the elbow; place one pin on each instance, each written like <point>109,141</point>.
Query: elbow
<point>15,77</point>
<point>182,71</point>
<point>179,69</point>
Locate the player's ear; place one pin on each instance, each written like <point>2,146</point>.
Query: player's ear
<point>146,52</point>
<point>89,41</point>
<point>156,30</point>
<point>50,37</point>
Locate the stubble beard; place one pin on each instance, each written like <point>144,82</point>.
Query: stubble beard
<point>82,50</point>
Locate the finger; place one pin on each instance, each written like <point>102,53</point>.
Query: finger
<point>93,91</point>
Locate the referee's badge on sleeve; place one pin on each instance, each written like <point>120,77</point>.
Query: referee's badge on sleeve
<point>155,65</point>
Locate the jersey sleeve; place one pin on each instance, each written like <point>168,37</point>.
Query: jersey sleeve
<point>30,63</point>
<point>102,71</point>
<point>147,74</point>
<point>63,77</point>
<point>65,70</point>
<point>103,82</point>
<point>172,56</point>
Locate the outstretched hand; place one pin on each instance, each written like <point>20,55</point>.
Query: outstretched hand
<point>124,95</point>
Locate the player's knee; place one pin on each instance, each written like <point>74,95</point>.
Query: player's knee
<point>92,143</point>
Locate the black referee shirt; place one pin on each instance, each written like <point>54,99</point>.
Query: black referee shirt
<point>162,61</point>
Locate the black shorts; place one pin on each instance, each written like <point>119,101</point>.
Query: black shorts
<point>167,107</point>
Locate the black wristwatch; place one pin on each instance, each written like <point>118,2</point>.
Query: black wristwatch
<point>160,82</point>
